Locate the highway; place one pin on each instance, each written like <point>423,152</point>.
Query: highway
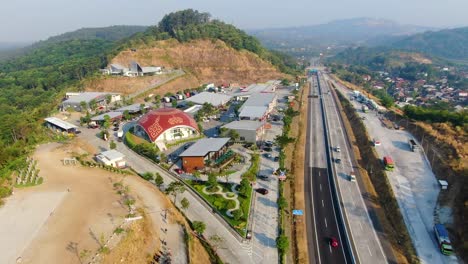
<point>363,237</point>
<point>321,220</point>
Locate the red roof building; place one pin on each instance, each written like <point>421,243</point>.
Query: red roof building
<point>166,124</point>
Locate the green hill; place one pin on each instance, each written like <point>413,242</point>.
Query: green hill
<point>450,43</point>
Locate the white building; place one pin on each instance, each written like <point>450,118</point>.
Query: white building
<point>112,158</point>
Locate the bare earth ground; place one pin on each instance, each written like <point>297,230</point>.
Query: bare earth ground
<point>89,210</point>
<point>121,84</point>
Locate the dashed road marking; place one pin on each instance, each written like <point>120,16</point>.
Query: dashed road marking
<point>368,248</point>
<point>320,187</point>
<point>323,205</point>
<point>326,225</point>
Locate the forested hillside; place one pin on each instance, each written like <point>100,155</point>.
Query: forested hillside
<point>190,25</point>
<point>449,43</point>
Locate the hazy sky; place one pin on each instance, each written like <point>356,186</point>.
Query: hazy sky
<point>30,20</point>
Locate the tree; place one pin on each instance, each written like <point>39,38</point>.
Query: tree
<point>147,176</point>
<point>285,82</point>
<point>199,227</point>
<point>83,106</point>
<point>282,243</point>
<point>175,188</point>
<point>234,135</point>
<point>244,186</point>
<point>107,122</point>
<point>212,181</point>
<point>92,104</point>
<point>196,174</point>
<point>108,98</point>
<point>282,203</point>
<point>237,214</point>
<point>126,115</point>
<point>158,180</point>
<point>184,203</point>
<point>112,145</point>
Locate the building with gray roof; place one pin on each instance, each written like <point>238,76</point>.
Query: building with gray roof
<point>249,131</point>
<point>216,99</point>
<point>258,106</point>
<point>205,149</point>
<point>74,101</point>
<point>60,125</point>
<point>112,115</point>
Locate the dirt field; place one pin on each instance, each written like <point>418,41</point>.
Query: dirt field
<point>121,84</point>
<point>90,209</point>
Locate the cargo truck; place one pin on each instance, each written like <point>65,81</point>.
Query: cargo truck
<point>412,144</point>
<point>388,162</point>
<point>443,240</point>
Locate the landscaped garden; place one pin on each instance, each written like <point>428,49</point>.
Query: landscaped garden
<point>225,198</point>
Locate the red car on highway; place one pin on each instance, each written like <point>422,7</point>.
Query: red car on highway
<point>333,242</point>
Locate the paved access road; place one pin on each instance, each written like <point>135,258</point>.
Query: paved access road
<point>321,221</point>
<point>366,243</point>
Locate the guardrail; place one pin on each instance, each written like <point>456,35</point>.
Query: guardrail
<point>336,201</point>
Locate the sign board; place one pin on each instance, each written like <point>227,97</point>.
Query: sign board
<point>298,212</point>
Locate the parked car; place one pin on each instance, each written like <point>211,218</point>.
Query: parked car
<point>268,155</point>
<point>352,177</point>
<point>116,128</point>
<point>276,159</point>
<point>262,191</point>
<point>337,149</point>
<point>179,171</point>
<point>377,142</point>
<point>338,160</point>
<point>333,242</point>
<point>267,149</point>
<point>263,177</point>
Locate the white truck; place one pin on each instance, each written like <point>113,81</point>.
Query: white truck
<point>120,134</point>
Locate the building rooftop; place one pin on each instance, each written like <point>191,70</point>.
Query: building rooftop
<point>112,115</point>
<point>260,99</point>
<point>60,123</point>
<point>244,125</point>
<point>204,146</point>
<point>132,108</point>
<point>268,87</point>
<point>86,97</point>
<point>111,155</point>
<point>216,99</point>
<point>253,111</point>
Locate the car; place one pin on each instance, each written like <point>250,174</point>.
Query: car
<point>334,242</point>
<point>276,159</point>
<point>338,160</point>
<point>268,149</point>
<point>269,143</point>
<point>352,177</point>
<point>268,155</point>
<point>377,142</point>
<point>116,129</point>
<point>179,171</point>
<point>263,177</point>
<point>337,149</point>
<point>262,191</point>
<point>249,234</point>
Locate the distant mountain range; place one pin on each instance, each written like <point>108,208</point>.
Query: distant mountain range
<point>347,32</point>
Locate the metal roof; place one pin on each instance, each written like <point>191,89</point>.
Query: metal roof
<point>204,146</point>
<point>253,111</point>
<point>112,115</point>
<point>131,108</point>
<point>216,99</point>
<point>86,97</point>
<point>244,125</point>
<point>112,154</point>
<point>60,123</point>
<point>150,69</point>
<point>260,99</point>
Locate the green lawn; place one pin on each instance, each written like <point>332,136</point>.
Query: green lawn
<point>222,205</point>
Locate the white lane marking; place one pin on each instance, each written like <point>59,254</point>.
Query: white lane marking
<point>368,248</point>
<point>323,205</point>
<point>320,187</point>
<point>326,225</point>
<point>360,225</point>
<point>330,248</point>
